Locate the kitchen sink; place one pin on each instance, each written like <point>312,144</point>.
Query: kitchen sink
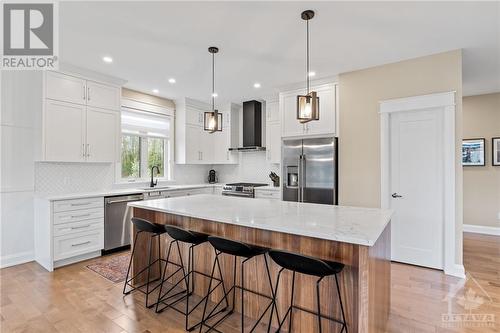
<point>156,188</point>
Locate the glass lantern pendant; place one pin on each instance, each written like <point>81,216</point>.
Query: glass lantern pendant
<point>212,121</point>
<point>308,104</point>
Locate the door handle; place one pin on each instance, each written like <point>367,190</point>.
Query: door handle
<point>395,195</point>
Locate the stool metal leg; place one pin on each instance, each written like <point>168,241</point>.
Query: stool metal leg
<point>274,306</point>
<point>319,303</point>
<point>291,302</point>
<point>149,271</point>
<point>341,305</point>
<point>160,296</point>
<point>130,264</point>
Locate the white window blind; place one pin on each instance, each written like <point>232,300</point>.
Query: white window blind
<point>145,124</point>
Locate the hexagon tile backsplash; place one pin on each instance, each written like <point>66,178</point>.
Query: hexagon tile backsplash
<point>73,177</point>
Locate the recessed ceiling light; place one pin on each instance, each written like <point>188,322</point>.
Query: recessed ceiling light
<point>312,73</point>
<point>214,95</point>
<point>107,59</point>
<point>156,91</point>
<point>256,85</point>
<point>171,80</point>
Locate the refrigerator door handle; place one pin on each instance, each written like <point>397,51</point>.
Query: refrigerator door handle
<point>299,179</point>
<point>303,179</point>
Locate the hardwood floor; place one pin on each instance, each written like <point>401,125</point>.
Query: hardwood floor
<point>75,299</point>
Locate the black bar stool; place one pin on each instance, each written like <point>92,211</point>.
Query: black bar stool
<point>247,252</point>
<point>154,230</point>
<point>311,266</point>
<point>167,298</point>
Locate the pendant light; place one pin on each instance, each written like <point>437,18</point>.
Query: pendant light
<point>308,104</point>
<point>212,121</point>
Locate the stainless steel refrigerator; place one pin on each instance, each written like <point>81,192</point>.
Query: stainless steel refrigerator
<point>310,170</point>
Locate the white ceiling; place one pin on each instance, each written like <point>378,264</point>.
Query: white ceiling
<point>265,41</point>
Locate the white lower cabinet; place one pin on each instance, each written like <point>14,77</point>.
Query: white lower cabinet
<point>72,245</point>
<point>68,231</point>
<point>267,194</point>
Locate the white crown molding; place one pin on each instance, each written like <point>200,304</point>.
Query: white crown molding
<point>418,102</point>
<point>90,74</point>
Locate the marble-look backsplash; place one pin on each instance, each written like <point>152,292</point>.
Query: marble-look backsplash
<point>253,167</point>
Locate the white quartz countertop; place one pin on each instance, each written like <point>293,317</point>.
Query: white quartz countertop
<point>125,191</point>
<point>362,226</point>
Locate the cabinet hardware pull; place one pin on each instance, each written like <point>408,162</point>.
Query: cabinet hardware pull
<point>88,93</point>
<point>84,95</point>
<point>77,216</point>
<point>83,150</point>
<point>79,244</point>
<point>81,204</point>
<point>88,149</point>
<point>81,227</point>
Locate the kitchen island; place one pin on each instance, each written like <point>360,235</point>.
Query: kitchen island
<point>356,237</point>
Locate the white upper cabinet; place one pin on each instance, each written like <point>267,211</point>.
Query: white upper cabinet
<point>273,132</point>
<point>102,126</point>
<point>273,142</point>
<point>64,131</point>
<point>194,145</point>
<point>103,96</point>
<point>65,88</point>
<point>327,123</point>
<point>272,111</point>
<point>73,89</point>
<point>80,119</point>
<point>290,125</point>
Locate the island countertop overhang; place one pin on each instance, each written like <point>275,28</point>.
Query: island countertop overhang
<point>355,225</point>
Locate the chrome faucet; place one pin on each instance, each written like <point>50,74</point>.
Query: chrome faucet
<point>154,183</point>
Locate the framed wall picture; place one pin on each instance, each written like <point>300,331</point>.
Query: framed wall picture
<point>473,152</point>
<point>495,148</point>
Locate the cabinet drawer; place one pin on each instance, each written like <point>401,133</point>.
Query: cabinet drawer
<point>77,204</point>
<point>79,215</point>
<point>77,244</point>
<point>267,194</point>
<point>78,227</point>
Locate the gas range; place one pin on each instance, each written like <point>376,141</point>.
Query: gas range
<point>241,189</point>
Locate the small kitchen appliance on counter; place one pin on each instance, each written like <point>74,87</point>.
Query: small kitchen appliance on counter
<point>212,177</point>
<point>275,178</point>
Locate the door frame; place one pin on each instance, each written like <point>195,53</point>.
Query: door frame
<point>445,103</point>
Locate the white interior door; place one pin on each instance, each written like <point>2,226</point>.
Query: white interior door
<point>416,182</point>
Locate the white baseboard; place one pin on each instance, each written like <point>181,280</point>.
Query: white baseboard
<point>456,270</point>
<point>479,229</point>
<point>16,259</point>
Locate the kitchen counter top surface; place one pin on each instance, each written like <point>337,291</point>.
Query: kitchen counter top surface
<point>361,226</point>
<point>112,192</point>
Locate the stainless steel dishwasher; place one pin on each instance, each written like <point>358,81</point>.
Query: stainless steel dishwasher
<point>117,221</point>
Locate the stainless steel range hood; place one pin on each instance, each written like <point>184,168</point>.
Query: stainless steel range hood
<point>253,131</point>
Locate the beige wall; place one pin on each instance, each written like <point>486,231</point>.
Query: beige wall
<point>482,184</point>
<point>359,140</point>
<point>146,98</point>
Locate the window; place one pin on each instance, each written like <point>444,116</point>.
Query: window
<point>145,143</point>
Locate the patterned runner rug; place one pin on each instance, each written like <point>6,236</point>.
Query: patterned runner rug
<point>113,268</point>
